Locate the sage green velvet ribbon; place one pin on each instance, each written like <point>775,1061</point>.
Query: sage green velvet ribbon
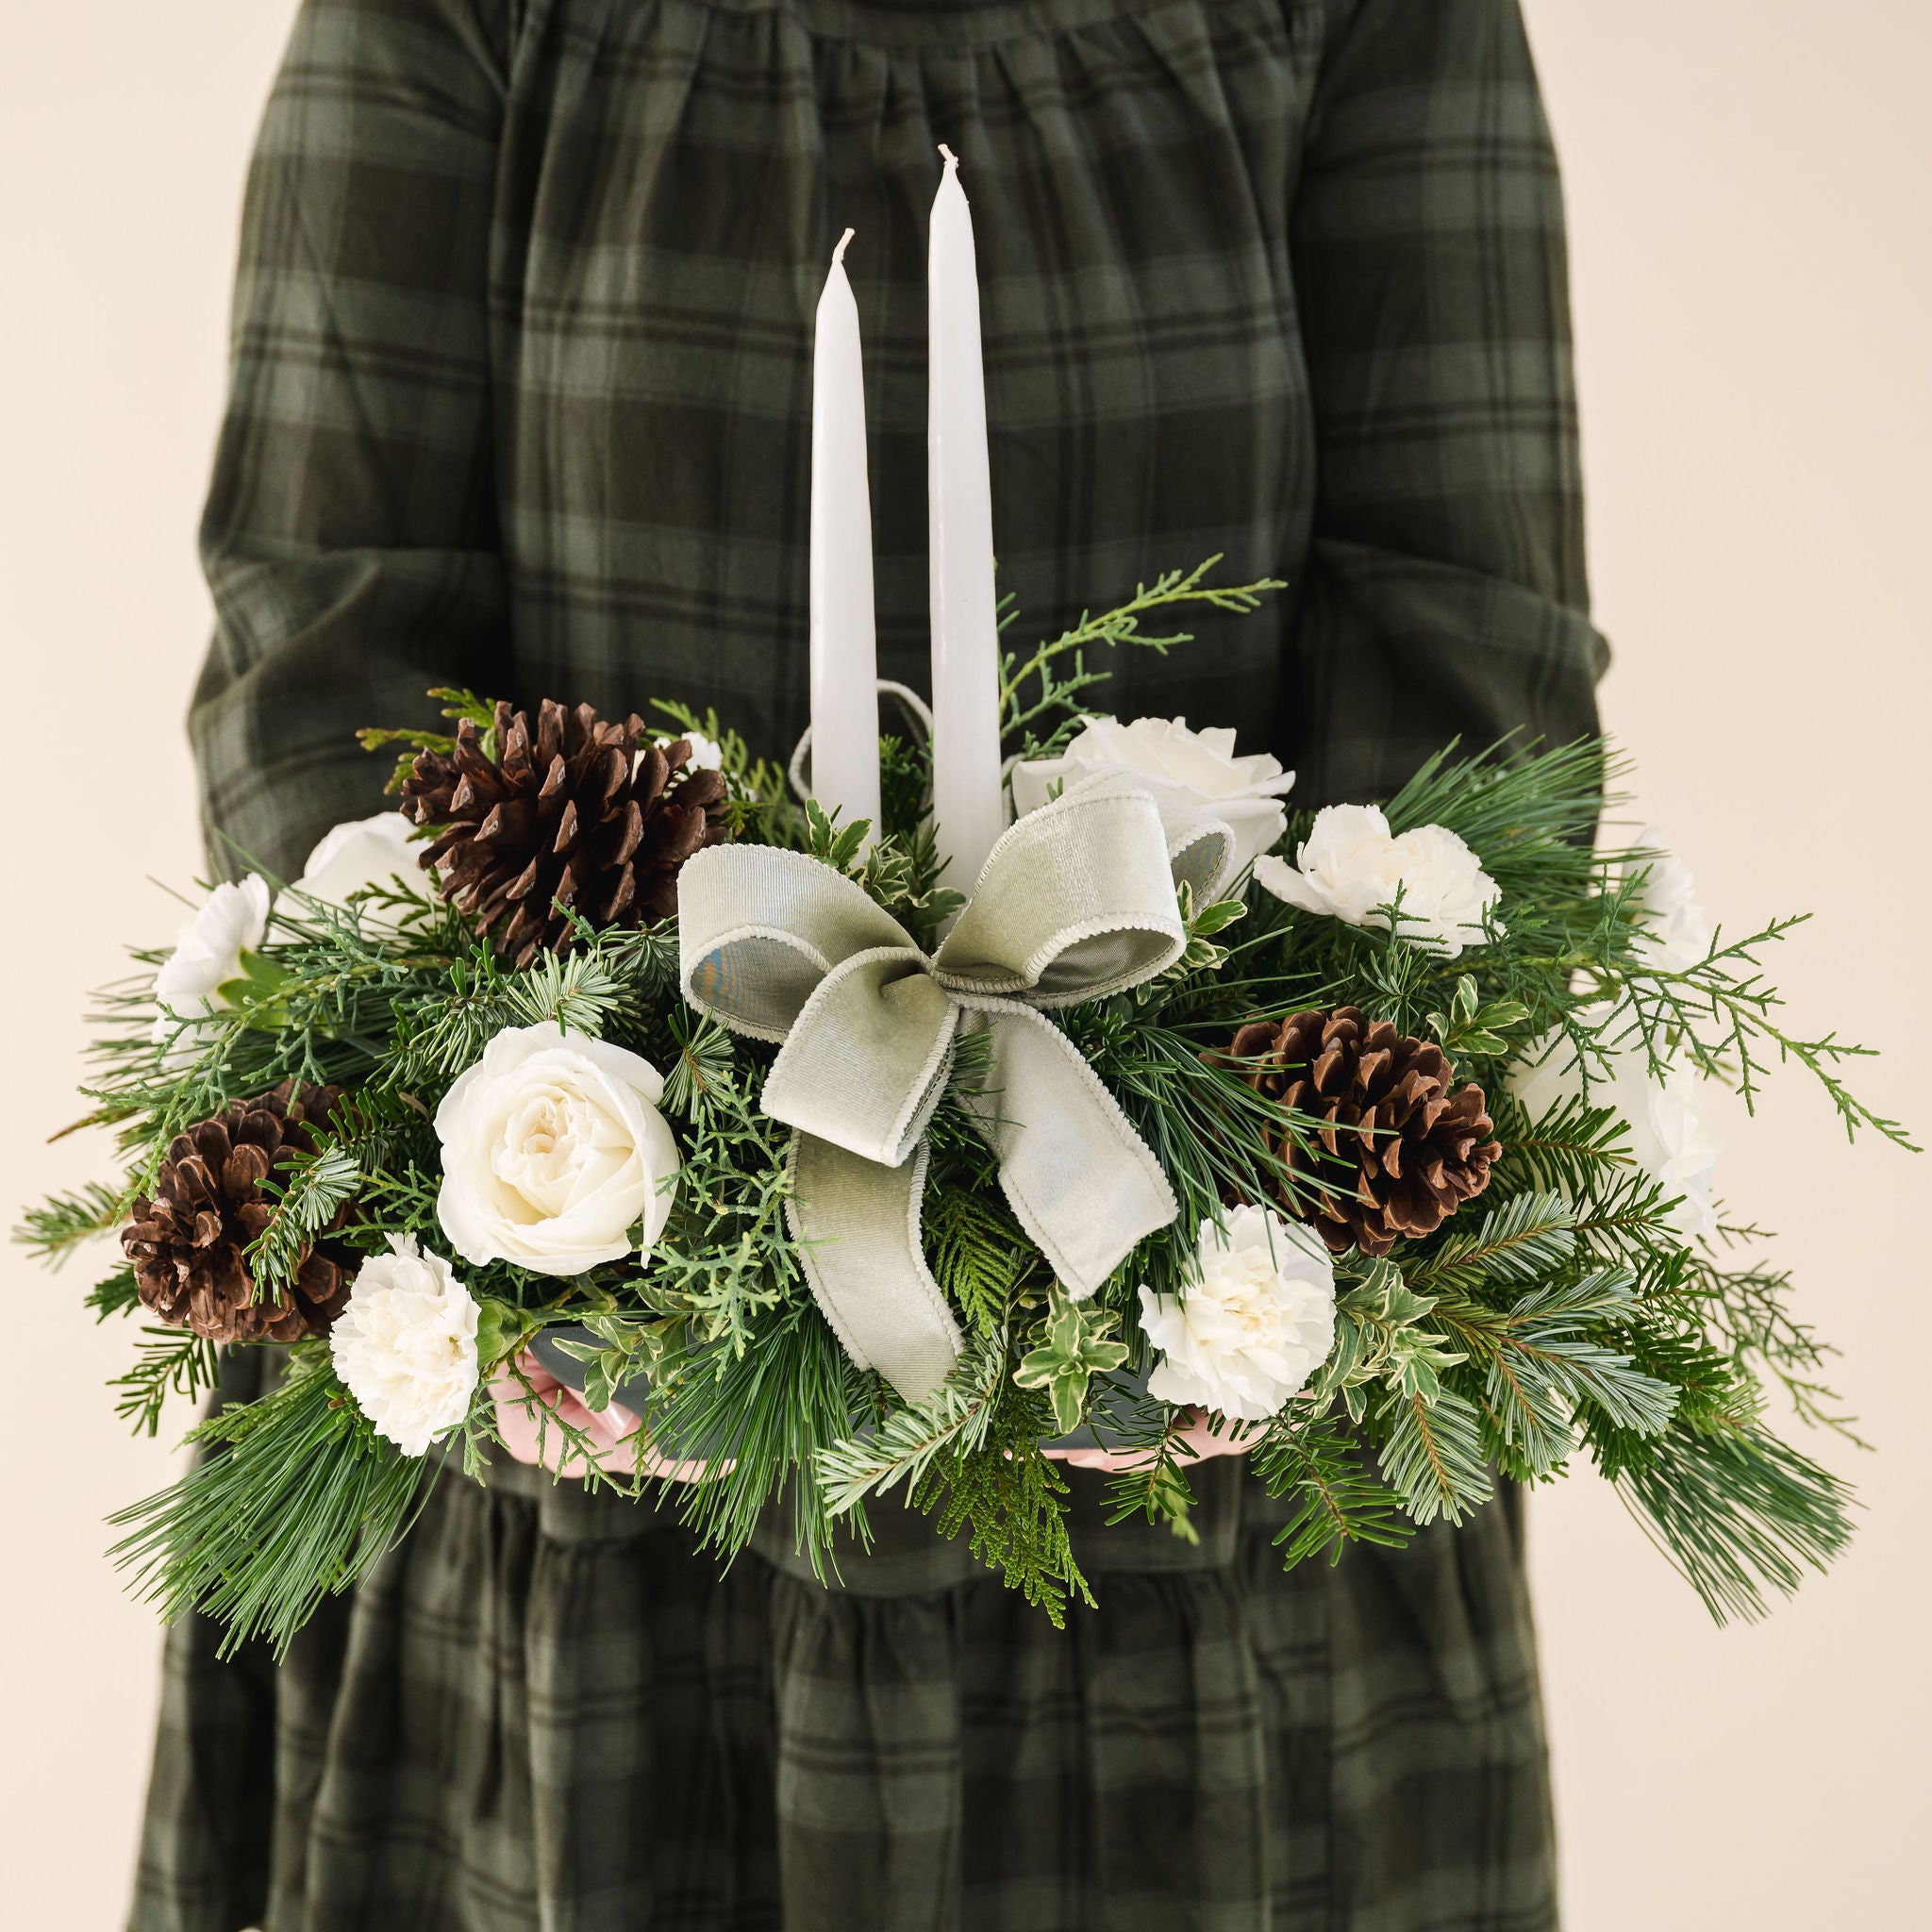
<point>1075,901</point>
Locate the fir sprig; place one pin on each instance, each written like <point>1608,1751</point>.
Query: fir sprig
<point>306,1191</point>
<point>1313,1457</point>
<point>902,1449</point>
<point>168,1362</point>
<point>1431,1455</point>
<point>62,1224</point>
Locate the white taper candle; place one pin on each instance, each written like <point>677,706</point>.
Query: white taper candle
<point>844,650</point>
<point>965,627</point>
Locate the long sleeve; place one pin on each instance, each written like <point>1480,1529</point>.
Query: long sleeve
<point>349,537</point>
<point>1445,590</point>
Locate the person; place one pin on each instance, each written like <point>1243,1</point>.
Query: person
<point>521,403</point>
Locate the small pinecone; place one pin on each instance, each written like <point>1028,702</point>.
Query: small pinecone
<point>570,812</point>
<point>186,1241</point>
<point>1406,1148</point>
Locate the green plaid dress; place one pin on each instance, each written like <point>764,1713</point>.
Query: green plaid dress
<point>520,400</point>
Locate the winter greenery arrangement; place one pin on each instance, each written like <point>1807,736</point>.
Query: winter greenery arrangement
<point>1373,1137</point>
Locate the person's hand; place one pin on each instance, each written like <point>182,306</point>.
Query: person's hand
<point>531,1402</point>
<point>1236,1439</point>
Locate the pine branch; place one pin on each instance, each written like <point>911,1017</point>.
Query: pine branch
<point>1738,1509</point>
<point>1530,815</point>
<point>295,1498</point>
<point>773,1408</point>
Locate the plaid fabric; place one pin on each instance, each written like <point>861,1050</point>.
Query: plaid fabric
<point>546,1711</point>
<point>521,401</point>
<point>521,364</point>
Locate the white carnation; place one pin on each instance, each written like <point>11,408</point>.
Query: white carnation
<point>1257,1324</point>
<point>361,856</point>
<point>1681,934</point>
<point>1351,864</point>
<point>1195,777</point>
<point>1671,1136</point>
<point>706,754</point>
<point>208,951</point>
<point>406,1346</point>
<point>553,1150</point>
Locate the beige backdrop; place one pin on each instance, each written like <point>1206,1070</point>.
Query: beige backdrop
<point>1747,184</point>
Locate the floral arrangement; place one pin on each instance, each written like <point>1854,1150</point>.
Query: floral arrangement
<point>1372,1138</point>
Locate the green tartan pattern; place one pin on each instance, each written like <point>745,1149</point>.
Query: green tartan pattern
<point>520,400</point>
<point>546,1709</point>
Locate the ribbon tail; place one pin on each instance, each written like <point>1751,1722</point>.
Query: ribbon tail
<point>1083,1183</point>
<point>1202,854</point>
<point>857,1222</point>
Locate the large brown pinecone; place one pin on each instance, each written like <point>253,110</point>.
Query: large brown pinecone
<point>1405,1148</point>
<point>573,810</point>
<point>186,1240</point>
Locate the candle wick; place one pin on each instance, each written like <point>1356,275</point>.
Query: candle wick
<point>839,253</point>
<point>952,159</point>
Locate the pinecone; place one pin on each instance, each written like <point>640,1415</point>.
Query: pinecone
<point>592,815</point>
<point>1406,1148</point>
<point>186,1242</point>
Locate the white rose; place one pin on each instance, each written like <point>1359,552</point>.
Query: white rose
<point>362,854</point>
<point>553,1150</point>
<point>1193,776</point>
<point>1680,933</point>
<point>1671,1136</point>
<point>208,951</point>
<point>1350,864</point>
<point>406,1346</point>
<point>1255,1325</point>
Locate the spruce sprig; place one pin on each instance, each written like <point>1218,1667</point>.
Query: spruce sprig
<point>307,1189</point>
